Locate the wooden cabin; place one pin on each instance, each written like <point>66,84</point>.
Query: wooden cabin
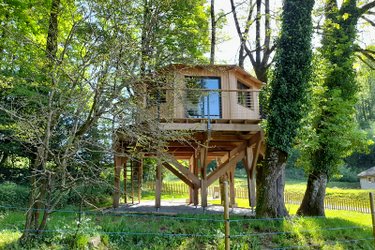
<point>218,105</point>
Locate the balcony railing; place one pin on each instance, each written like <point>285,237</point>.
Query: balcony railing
<point>206,103</point>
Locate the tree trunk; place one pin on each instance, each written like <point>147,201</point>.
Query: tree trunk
<point>213,33</point>
<point>313,200</point>
<point>270,193</point>
<point>39,179</point>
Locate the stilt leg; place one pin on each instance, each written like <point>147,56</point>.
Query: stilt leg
<point>232,189</point>
<point>116,191</point>
<point>158,186</point>
<point>140,179</point>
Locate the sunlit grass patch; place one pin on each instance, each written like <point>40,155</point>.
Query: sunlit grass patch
<point>8,237</point>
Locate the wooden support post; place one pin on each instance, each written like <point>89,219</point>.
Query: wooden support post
<point>232,190</point>
<point>133,166</point>
<point>116,190</point>
<point>372,207</point>
<point>250,170</point>
<point>196,190</point>
<point>204,193</point>
<point>226,216</point>
<point>191,189</point>
<point>140,179</point>
<point>203,166</point>
<point>125,177</point>
<point>158,185</point>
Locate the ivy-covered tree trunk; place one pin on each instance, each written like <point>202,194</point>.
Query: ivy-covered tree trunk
<point>334,126</point>
<point>284,108</point>
<point>270,184</point>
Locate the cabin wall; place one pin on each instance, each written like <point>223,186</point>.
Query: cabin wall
<point>230,109</point>
<point>366,184</point>
<point>237,110</point>
<point>179,110</point>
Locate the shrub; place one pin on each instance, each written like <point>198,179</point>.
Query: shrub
<point>12,194</point>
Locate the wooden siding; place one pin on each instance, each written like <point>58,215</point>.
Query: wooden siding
<point>230,109</point>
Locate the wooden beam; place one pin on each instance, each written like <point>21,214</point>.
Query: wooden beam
<point>254,139</point>
<point>250,177</point>
<point>237,149</point>
<point>223,168</point>
<point>195,172</point>
<point>125,177</point>
<point>116,190</point>
<point>184,170</point>
<point>256,155</point>
<point>231,188</point>
<point>178,174</point>
<point>191,169</point>
<point>204,162</point>
<point>214,127</point>
<point>158,185</point>
<point>140,180</point>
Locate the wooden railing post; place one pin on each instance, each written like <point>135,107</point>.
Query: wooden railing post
<point>372,214</point>
<point>226,216</point>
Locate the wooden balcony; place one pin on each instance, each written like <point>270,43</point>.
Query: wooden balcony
<point>207,109</point>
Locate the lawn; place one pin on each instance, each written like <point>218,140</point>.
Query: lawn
<point>345,190</point>
<point>340,230</point>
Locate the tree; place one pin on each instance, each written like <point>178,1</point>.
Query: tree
<point>263,51</point>
<point>287,96</point>
<point>172,32</point>
<point>334,134</point>
<point>83,67</point>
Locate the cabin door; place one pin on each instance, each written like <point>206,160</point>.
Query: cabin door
<point>204,102</point>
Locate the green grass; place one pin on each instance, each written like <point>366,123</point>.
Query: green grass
<point>345,190</point>
<point>300,231</point>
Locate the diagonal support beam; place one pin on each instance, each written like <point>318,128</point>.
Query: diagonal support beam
<point>178,174</point>
<point>185,171</point>
<point>237,149</point>
<point>254,139</point>
<point>223,168</point>
<point>255,157</point>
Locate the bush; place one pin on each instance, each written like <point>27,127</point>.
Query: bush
<point>12,194</point>
<point>346,174</point>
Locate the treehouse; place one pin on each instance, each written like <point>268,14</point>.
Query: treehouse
<point>216,109</point>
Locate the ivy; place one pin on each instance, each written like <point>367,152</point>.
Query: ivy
<point>291,76</point>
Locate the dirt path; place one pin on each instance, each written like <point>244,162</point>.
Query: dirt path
<point>179,207</point>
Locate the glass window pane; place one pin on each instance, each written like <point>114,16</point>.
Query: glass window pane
<point>202,100</point>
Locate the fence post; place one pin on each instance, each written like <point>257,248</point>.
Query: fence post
<point>226,216</point>
<point>372,214</point>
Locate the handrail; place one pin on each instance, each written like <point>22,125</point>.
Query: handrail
<point>213,90</point>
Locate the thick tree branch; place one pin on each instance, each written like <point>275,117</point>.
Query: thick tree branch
<point>257,31</point>
<point>366,7</point>
<point>365,62</point>
<point>372,23</point>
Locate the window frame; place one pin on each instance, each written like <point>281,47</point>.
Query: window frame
<point>201,79</point>
<point>245,99</point>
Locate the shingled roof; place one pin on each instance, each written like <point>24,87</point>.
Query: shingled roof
<point>368,172</point>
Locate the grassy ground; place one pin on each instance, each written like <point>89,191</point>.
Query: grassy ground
<point>339,230</point>
<point>177,232</point>
<point>347,190</point>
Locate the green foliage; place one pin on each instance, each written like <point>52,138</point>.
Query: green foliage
<point>330,132</point>
<point>291,76</point>
<point>12,194</point>
<point>92,225</point>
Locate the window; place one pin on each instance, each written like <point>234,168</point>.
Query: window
<point>244,97</point>
<point>202,98</point>
<point>157,96</point>
<point>157,91</point>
